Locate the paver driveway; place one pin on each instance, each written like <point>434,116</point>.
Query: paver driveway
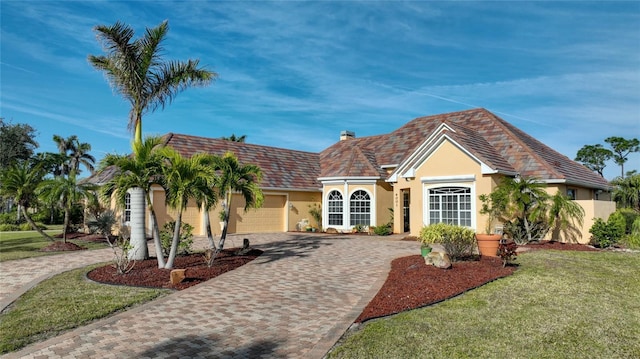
<point>294,301</point>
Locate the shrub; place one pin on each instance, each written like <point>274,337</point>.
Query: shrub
<point>44,215</point>
<point>632,240</point>
<point>458,241</point>
<point>605,234</point>
<point>186,237</point>
<point>515,230</point>
<point>630,216</point>
<point>507,251</point>
<point>383,230</point>
<point>10,218</point>
<point>9,227</point>
<point>27,226</point>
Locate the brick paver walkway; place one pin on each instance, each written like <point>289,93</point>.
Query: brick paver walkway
<point>294,301</point>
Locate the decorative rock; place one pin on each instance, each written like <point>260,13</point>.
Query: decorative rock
<point>332,230</point>
<point>438,260</point>
<point>177,275</point>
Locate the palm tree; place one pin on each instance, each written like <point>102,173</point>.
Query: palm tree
<point>564,214</point>
<point>627,191</point>
<point>185,179</point>
<point>73,153</point>
<point>140,170</point>
<point>135,69</point>
<point>21,181</point>
<point>67,192</point>
<point>235,177</point>
<point>234,138</point>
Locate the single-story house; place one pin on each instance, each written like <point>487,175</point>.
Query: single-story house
<point>432,169</point>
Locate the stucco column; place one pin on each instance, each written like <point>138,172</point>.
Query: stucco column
<point>138,240</point>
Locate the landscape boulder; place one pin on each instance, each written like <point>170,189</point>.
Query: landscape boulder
<point>438,260</point>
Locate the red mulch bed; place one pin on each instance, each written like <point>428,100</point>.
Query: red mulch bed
<point>147,274</point>
<point>413,284</point>
<point>560,246</point>
<point>62,247</point>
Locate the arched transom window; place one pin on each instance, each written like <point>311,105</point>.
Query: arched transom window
<point>450,205</point>
<point>334,206</point>
<point>360,208</point>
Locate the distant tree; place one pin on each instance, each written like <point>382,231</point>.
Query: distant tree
<point>234,138</point>
<point>20,181</point>
<point>136,70</point>
<point>626,192</point>
<point>594,157</point>
<point>72,154</point>
<point>17,143</point>
<point>67,192</point>
<point>621,149</point>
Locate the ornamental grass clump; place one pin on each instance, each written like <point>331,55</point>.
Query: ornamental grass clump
<point>457,241</point>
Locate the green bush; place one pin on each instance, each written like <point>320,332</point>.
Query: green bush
<point>9,227</point>
<point>632,240</point>
<point>44,215</point>
<point>27,226</point>
<point>186,237</point>
<point>605,234</point>
<point>383,230</point>
<point>458,241</point>
<point>630,216</point>
<point>10,218</point>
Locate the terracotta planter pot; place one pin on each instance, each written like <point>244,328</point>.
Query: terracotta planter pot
<point>488,244</point>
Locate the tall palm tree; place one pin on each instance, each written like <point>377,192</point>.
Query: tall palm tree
<point>73,153</point>
<point>67,192</point>
<point>140,170</point>
<point>185,179</point>
<point>243,179</point>
<point>136,69</point>
<point>20,181</point>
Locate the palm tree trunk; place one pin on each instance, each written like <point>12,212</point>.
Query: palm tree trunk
<point>65,226</point>
<point>34,226</point>
<point>207,226</point>
<point>139,249</point>
<point>175,241</point>
<point>156,233</point>
<point>223,236</point>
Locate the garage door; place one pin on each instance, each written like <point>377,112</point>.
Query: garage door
<point>269,218</point>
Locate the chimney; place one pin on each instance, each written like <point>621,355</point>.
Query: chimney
<point>346,135</point>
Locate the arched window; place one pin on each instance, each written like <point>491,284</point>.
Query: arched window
<point>360,208</point>
<point>334,206</point>
<point>450,205</point>
<point>127,208</point>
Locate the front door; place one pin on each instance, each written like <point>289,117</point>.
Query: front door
<point>405,210</point>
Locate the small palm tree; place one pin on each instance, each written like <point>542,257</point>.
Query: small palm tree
<point>234,138</point>
<point>67,192</point>
<point>136,70</point>
<point>185,179</point>
<point>20,181</point>
<point>235,177</point>
<point>140,170</point>
<point>564,215</point>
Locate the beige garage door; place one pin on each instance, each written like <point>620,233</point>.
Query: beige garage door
<point>269,218</point>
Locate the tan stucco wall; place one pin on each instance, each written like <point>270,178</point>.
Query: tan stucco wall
<point>299,203</point>
<point>446,161</point>
<point>384,201</point>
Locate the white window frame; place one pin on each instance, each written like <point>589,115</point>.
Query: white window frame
<point>371,207</point>
<point>465,181</point>
<point>329,207</point>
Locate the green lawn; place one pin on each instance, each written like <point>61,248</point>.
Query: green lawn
<point>19,245</point>
<point>63,302</point>
<point>559,304</point>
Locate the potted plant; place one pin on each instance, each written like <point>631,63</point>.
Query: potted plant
<point>488,242</point>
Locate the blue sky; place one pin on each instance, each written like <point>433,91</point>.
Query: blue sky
<point>294,74</point>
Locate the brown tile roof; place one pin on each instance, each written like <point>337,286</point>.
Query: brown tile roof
<point>281,168</point>
<point>495,142</point>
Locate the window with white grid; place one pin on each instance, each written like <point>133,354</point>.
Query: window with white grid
<point>334,208</point>
<point>450,205</point>
<point>360,208</point>
<point>127,207</point>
